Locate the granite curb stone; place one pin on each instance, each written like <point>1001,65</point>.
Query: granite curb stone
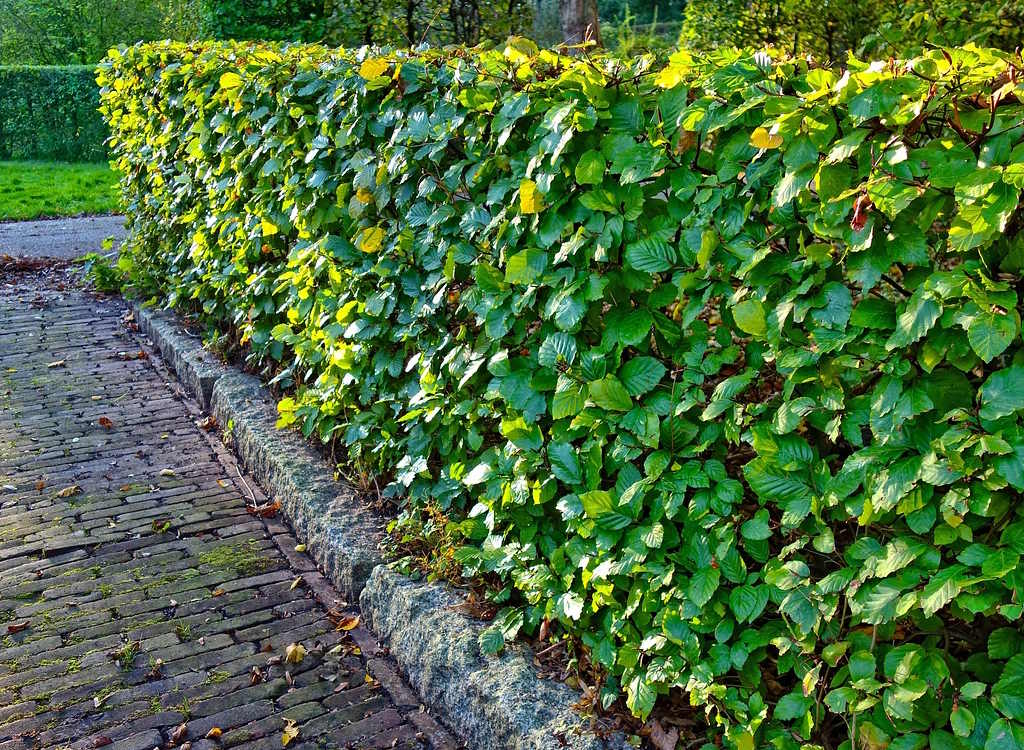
<point>493,702</point>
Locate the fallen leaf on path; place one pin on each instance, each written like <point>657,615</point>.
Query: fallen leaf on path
<point>348,622</point>
<point>167,472</point>
<point>300,547</point>
<point>40,485</point>
<point>17,627</point>
<point>214,733</point>
<point>180,732</point>
<point>69,491</point>
<point>294,653</point>
<point>218,592</point>
<point>10,488</point>
<point>58,363</point>
<point>105,422</point>
<point>102,742</point>
<point>256,676</point>
<point>291,731</point>
<point>295,583</point>
<point>161,525</point>
<point>209,423</point>
<point>267,510</point>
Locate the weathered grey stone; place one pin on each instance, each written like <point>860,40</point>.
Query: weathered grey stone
<point>196,368</point>
<point>495,702</point>
<point>339,532</point>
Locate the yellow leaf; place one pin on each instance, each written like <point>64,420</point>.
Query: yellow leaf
<point>294,653</point>
<point>300,547</point>
<point>371,240</point>
<point>295,583</point>
<point>69,491</point>
<point>348,622</point>
<point>745,741</point>
<point>761,138</point>
<point>529,199</point>
<point>679,65</point>
<point>291,731</point>
<point>230,81</point>
<point>364,196</point>
<point>373,67</point>
<point>269,229</point>
<point>214,733</point>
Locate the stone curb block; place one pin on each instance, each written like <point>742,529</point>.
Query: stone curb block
<point>197,369</point>
<point>494,702</point>
<point>341,535</point>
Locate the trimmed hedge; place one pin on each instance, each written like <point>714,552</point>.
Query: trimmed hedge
<point>716,364</point>
<point>50,113</point>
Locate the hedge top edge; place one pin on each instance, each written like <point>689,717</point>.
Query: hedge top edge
<point>714,363</point>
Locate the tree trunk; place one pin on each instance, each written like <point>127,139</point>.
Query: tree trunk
<point>579,21</point>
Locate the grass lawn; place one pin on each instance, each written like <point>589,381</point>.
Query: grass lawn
<point>33,189</point>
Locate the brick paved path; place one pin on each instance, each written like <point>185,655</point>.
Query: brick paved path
<point>137,594</point>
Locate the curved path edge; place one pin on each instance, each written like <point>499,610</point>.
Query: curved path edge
<point>493,702</point>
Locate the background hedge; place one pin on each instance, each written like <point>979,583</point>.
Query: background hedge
<point>262,19</point>
<point>50,113</point>
<point>716,364</point>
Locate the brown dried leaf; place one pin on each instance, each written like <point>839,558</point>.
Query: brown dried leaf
<point>348,622</point>
<point>106,422</point>
<point>660,739</point>
<point>17,627</point>
<point>180,732</point>
<point>102,741</point>
<point>267,510</point>
<point>69,491</point>
<point>40,485</point>
<point>154,673</point>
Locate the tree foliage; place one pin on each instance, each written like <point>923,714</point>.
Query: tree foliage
<point>355,22</point>
<point>829,29</point>
<point>51,114</point>
<point>717,364</point>
<point>64,32</point>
